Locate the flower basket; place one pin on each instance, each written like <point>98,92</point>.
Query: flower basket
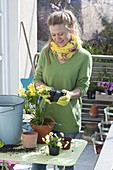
<point>103,96</point>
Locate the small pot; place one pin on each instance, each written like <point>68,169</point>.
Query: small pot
<point>54,151</point>
<point>29,139</point>
<point>91,94</point>
<point>66,144</point>
<point>93,111</point>
<point>55,95</point>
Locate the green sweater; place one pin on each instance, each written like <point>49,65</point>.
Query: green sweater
<point>75,73</point>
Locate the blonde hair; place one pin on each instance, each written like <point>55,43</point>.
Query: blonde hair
<point>67,18</point>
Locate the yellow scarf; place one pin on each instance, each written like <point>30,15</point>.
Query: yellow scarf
<point>67,51</point>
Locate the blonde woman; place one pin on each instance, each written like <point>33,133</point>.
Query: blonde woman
<point>64,64</point>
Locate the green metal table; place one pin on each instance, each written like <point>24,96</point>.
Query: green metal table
<point>41,156</point>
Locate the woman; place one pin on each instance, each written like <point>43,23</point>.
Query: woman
<point>64,64</point>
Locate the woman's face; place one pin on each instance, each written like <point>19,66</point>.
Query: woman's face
<point>60,34</point>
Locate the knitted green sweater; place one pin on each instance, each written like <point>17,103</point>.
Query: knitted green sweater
<point>75,73</point>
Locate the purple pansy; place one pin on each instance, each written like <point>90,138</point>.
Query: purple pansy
<point>107,86</point>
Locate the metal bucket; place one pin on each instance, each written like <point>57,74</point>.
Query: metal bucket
<point>11,113</point>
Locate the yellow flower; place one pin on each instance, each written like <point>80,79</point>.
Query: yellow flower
<point>31,86</point>
<point>51,134</point>
<point>52,139</point>
<point>22,92</point>
<point>32,93</point>
<point>59,144</point>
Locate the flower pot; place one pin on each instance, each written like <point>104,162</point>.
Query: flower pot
<point>98,140</point>
<point>91,94</point>
<point>29,139</point>
<point>90,129</point>
<point>55,95</point>
<point>54,151</point>
<point>66,144</point>
<point>43,130</point>
<point>93,111</point>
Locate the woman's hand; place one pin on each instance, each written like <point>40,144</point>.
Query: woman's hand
<point>64,100</point>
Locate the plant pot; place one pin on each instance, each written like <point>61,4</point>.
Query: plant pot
<point>90,129</point>
<point>43,130</point>
<point>93,111</point>
<point>55,95</point>
<point>29,139</point>
<point>91,94</point>
<point>98,140</point>
<point>54,151</point>
<point>66,144</point>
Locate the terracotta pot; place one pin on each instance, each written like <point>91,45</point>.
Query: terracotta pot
<point>66,143</point>
<point>90,129</point>
<point>43,130</point>
<point>54,151</point>
<point>29,139</point>
<point>93,111</point>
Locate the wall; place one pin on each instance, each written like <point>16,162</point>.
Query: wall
<point>28,15</point>
<point>92,13</point>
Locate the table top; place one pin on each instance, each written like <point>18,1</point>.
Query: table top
<point>41,156</point>
<point>105,160</point>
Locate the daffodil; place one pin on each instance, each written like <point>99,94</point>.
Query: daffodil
<point>33,99</point>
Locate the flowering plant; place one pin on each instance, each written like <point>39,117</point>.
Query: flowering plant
<point>33,97</point>
<point>106,87</point>
<point>53,140</point>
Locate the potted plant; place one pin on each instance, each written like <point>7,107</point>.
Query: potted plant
<point>104,91</point>
<point>91,90</point>
<point>34,105</point>
<point>54,142</point>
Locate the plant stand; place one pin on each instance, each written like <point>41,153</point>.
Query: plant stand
<point>103,97</point>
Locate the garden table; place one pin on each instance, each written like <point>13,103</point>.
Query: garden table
<point>41,156</point>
